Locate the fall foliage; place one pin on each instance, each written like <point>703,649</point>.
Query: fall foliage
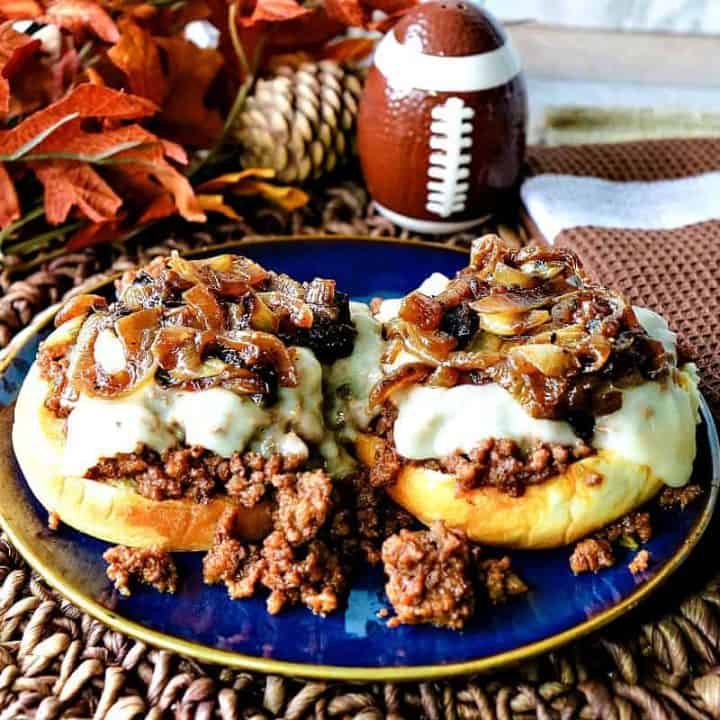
<point>113,114</point>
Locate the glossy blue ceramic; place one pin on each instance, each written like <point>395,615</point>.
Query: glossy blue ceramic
<point>354,642</point>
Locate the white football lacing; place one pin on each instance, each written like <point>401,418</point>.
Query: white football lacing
<point>451,133</point>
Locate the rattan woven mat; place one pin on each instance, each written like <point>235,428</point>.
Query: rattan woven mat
<point>55,662</point>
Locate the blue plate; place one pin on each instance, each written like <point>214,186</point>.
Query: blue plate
<point>353,643</point>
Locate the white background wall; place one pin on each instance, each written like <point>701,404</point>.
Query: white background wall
<point>670,15</point>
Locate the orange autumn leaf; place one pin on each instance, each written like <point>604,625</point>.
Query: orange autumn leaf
<point>75,15</point>
<point>84,101</point>
<point>137,55</point>
<point>184,116</point>
<point>392,7</point>
<point>352,49</point>
<point>353,13</point>
<point>9,204</point>
<point>20,9</point>
<point>291,59</point>
<point>71,184</point>
<point>274,11</point>
<point>216,203</point>
<point>288,198</point>
<point>15,48</point>
<point>223,182</point>
<point>144,172</point>
<point>249,182</point>
<point>161,207</point>
<point>94,234</point>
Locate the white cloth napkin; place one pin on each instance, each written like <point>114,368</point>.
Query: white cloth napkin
<point>560,202</point>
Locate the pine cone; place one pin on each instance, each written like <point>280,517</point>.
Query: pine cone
<point>301,122</point>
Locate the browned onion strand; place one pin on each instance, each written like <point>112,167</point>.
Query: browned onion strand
<point>539,327</point>
<point>80,305</point>
<point>397,379</point>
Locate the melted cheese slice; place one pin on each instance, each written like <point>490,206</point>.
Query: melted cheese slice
<point>434,422</point>
<point>216,419</point>
<point>656,427</point>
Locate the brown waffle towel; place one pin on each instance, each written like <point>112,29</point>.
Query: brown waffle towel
<point>674,267</point>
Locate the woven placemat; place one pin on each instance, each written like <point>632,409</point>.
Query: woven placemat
<point>56,662</point>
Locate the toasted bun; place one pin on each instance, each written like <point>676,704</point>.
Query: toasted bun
<point>556,512</point>
<point>112,512</point>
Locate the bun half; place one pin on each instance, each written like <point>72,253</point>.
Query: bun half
<point>553,513</point>
<point>111,511</point>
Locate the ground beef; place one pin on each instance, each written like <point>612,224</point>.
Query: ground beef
<point>679,497</point>
<point>591,555</point>
<point>195,473</point>
<point>502,463</point>
<point>312,573</point>
<point>303,504</point>
<point>52,362</point>
<point>429,577</point>
<point>150,566</point>
<point>639,563</point>
<point>239,566</point>
<point>386,466</point>
<point>631,529</point>
<point>499,580</point>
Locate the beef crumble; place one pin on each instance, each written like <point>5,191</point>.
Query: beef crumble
<point>501,463</point>
<point>640,562</point>
<point>631,529</point>
<point>500,581</point>
<point>429,577</point>
<point>591,555</point>
<point>150,566</point>
<point>303,504</point>
<point>679,497</point>
<point>196,474</point>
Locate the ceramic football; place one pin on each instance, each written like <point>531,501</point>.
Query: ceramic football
<point>441,127</point>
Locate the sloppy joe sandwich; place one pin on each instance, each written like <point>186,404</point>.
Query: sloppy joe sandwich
<point>144,419</point>
<point>522,403</point>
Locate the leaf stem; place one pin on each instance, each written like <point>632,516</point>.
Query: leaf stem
<point>36,242</point>
<point>235,39</point>
<point>24,220</point>
<point>239,101</point>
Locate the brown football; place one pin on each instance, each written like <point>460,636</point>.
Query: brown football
<point>441,128</point>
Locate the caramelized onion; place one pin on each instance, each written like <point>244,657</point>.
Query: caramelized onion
<point>79,306</point>
<point>550,360</point>
<point>467,361</point>
<point>255,346</point>
<point>206,306</point>
<point>444,376</point>
<point>297,310</point>
<point>485,253</point>
<point>594,353</point>
<point>136,330</point>
<point>506,276</point>
<point>508,324</point>
<point>516,301</point>
<point>176,351</point>
<point>421,310</point>
<point>430,347</point>
<point>399,378</point>
<point>320,292</point>
<point>457,290</point>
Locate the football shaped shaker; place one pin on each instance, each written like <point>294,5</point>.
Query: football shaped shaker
<point>441,127</point>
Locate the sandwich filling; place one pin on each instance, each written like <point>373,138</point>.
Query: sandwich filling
<point>522,348</point>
